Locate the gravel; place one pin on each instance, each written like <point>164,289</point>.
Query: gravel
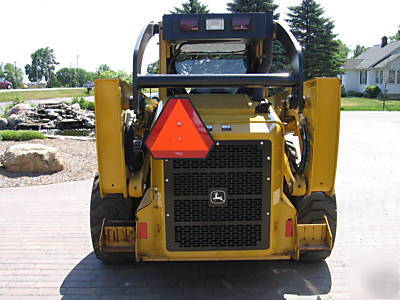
<point>79,157</point>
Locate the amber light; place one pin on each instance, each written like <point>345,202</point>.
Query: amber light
<point>241,23</point>
<point>189,24</point>
<point>179,132</point>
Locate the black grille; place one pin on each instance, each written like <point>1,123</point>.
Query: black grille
<point>238,168</point>
<point>237,183</point>
<point>208,236</point>
<point>200,210</point>
<point>225,157</point>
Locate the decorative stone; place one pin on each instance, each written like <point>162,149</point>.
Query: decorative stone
<point>3,123</point>
<point>14,120</point>
<point>76,106</point>
<point>33,158</point>
<point>19,108</point>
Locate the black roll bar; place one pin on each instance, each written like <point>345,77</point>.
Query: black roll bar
<point>257,80</point>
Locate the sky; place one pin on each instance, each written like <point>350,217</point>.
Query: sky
<point>88,33</point>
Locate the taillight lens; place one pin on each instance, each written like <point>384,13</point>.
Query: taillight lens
<point>189,24</point>
<point>241,23</point>
<point>179,132</point>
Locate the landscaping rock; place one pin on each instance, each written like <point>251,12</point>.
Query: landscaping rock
<point>33,158</point>
<point>3,123</point>
<point>76,106</point>
<point>14,120</point>
<point>19,108</point>
<point>64,115</point>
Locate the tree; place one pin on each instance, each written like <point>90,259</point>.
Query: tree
<point>43,65</point>
<point>153,68</point>
<point>104,71</point>
<point>358,50</point>
<point>315,34</point>
<point>11,73</point>
<point>396,37</point>
<point>253,6</point>
<point>191,7</point>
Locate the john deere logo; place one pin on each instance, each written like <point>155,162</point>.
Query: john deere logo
<point>217,197</point>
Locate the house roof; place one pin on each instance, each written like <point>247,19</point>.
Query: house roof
<point>374,57</point>
<point>387,60</point>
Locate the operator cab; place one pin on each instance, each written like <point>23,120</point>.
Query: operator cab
<point>215,44</point>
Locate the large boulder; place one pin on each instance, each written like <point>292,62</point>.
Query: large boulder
<point>33,158</point>
<point>3,123</point>
<point>14,119</point>
<point>19,108</point>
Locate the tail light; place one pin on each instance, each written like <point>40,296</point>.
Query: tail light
<point>179,132</point>
<point>241,23</point>
<point>189,24</point>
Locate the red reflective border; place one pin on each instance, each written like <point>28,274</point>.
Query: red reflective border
<point>162,119</point>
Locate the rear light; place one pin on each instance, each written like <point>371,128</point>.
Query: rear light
<point>241,23</point>
<point>215,24</point>
<point>289,228</point>
<point>143,230</point>
<point>179,132</point>
<point>189,24</point>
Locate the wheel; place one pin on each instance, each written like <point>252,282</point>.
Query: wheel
<point>113,207</point>
<point>9,86</point>
<point>311,210</point>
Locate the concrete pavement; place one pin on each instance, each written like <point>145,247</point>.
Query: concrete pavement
<point>45,248</point>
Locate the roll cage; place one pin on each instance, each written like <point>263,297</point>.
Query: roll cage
<point>261,79</point>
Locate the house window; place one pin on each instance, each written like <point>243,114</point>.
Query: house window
<point>398,76</point>
<point>392,74</point>
<point>376,76</point>
<point>363,77</point>
<point>380,76</point>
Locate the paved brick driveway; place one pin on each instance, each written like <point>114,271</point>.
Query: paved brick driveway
<point>45,249</point>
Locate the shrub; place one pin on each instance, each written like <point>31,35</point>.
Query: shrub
<point>372,91</point>
<point>83,103</point>
<point>354,94</point>
<point>20,135</point>
<point>14,102</point>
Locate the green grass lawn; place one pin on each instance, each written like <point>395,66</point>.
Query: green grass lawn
<point>42,94</point>
<point>369,104</point>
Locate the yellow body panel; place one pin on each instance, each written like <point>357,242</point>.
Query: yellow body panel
<point>109,137</point>
<point>322,111</point>
<point>246,125</point>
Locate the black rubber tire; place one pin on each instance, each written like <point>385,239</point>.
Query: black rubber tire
<point>9,86</point>
<point>114,207</point>
<point>311,210</point>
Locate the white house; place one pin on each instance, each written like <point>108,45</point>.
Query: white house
<point>379,65</point>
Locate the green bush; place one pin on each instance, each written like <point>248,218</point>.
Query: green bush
<point>354,94</point>
<point>83,103</point>
<point>372,91</point>
<point>14,102</point>
<point>20,135</point>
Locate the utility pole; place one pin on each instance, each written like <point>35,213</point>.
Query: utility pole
<point>15,74</point>
<point>70,79</point>
<point>76,78</point>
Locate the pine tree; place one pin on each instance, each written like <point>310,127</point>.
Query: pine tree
<point>191,7</point>
<point>315,34</point>
<point>253,6</point>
